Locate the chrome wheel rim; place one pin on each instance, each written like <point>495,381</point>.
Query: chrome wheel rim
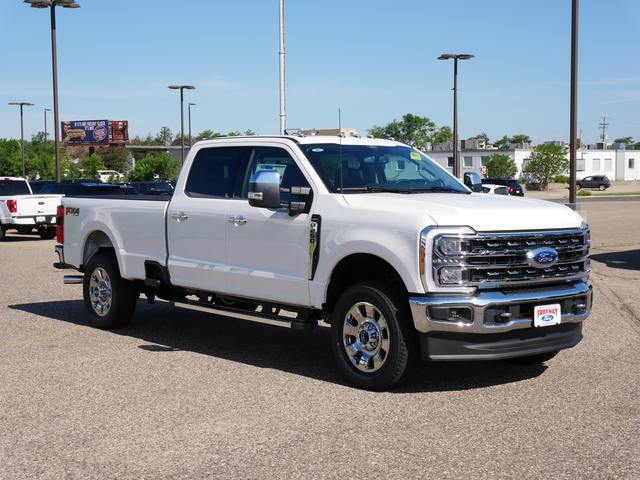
<point>366,337</point>
<point>100,293</point>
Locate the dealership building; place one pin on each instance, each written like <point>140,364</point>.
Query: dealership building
<point>610,159</point>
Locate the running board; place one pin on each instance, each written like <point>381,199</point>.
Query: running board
<point>269,319</point>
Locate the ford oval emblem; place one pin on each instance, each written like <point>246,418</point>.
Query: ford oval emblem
<point>40,203</point>
<point>542,257</point>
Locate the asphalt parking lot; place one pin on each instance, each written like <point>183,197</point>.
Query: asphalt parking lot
<point>184,395</point>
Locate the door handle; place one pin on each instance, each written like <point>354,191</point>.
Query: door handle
<point>237,220</point>
<point>180,216</point>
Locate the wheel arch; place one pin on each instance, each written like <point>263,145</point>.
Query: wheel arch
<point>357,268</point>
<point>96,242</point>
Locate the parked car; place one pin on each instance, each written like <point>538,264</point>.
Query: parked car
<point>512,185</point>
<point>83,188</point>
<point>600,182</point>
<point>498,189</point>
<point>153,188</point>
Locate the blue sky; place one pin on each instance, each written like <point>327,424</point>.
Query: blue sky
<point>373,60</point>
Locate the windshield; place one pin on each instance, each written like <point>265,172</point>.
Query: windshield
<point>374,168</point>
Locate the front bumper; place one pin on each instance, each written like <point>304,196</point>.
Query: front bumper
<point>494,325</point>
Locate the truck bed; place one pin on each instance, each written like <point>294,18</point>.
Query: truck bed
<point>136,223</point>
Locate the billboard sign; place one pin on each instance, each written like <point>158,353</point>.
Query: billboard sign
<point>85,132</point>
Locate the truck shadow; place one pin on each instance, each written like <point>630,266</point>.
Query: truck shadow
<point>162,329</point>
<point>626,260</point>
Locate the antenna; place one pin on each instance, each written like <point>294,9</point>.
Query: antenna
<point>340,148</point>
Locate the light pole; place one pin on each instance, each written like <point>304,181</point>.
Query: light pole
<point>45,124</point>
<point>181,88</point>
<point>52,4</point>
<point>22,104</point>
<point>189,108</point>
<point>456,57</point>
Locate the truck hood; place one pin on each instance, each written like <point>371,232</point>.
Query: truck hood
<point>481,211</point>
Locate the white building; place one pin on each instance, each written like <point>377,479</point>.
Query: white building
<point>616,163</point>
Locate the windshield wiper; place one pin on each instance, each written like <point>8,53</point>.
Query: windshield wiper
<point>372,189</point>
<point>437,188</point>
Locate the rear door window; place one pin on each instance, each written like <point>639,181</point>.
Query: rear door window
<point>214,172</point>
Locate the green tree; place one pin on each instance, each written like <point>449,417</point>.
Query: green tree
<point>505,142</point>
<point>161,166</point>
<point>10,157</point>
<point>501,166</point>
<point>412,130</point>
<point>205,135</point>
<point>442,135</point>
<point>114,157</point>
<point>482,136</point>
<point>546,162</point>
<point>164,137</point>
<point>91,165</point>
<point>521,138</point>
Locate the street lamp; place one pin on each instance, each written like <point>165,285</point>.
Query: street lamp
<point>52,4</point>
<point>181,88</point>
<point>22,104</point>
<point>45,124</point>
<point>189,108</point>
<point>456,57</point>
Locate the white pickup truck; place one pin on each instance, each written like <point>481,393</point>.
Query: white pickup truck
<point>22,210</point>
<point>371,236</point>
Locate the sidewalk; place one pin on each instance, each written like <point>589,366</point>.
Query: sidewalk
<point>559,191</point>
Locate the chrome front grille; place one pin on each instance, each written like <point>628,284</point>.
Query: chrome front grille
<point>492,260</point>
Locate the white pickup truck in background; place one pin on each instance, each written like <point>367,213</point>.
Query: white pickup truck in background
<point>404,261</point>
<point>23,211</point>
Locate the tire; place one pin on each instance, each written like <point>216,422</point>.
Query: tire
<point>602,188</point>
<point>47,233</point>
<point>533,359</point>
<point>579,186</point>
<point>3,233</point>
<point>374,343</point>
<point>109,300</point>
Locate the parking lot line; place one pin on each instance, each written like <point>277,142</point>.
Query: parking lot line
<point>44,337</point>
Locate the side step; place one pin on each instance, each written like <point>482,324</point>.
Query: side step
<point>259,317</point>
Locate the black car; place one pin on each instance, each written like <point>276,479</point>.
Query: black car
<point>84,188</point>
<point>600,182</point>
<point>153,187</point>
<point>512,185</point>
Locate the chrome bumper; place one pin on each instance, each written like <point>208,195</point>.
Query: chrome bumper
<point>497,312</point>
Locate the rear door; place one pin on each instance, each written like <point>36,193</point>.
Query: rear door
<point>197,220</point>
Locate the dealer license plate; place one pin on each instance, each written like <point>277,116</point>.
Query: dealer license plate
<point>545,315</point>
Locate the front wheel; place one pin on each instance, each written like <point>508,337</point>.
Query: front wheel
<point>109,300</point>
<point>373,340</point>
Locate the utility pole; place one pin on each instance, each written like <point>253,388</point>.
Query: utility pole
<point>281,56</point>
<point>604,125</point>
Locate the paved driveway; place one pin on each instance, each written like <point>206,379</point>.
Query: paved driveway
<point>183,395</point>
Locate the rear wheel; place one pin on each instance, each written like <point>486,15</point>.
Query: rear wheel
<point>602,188</point>
<point>109,300</point>
<point>374,343</point>
<point>3,232</point>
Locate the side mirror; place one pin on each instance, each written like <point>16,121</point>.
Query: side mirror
<point>264,189</point>
<point>472,181</point>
